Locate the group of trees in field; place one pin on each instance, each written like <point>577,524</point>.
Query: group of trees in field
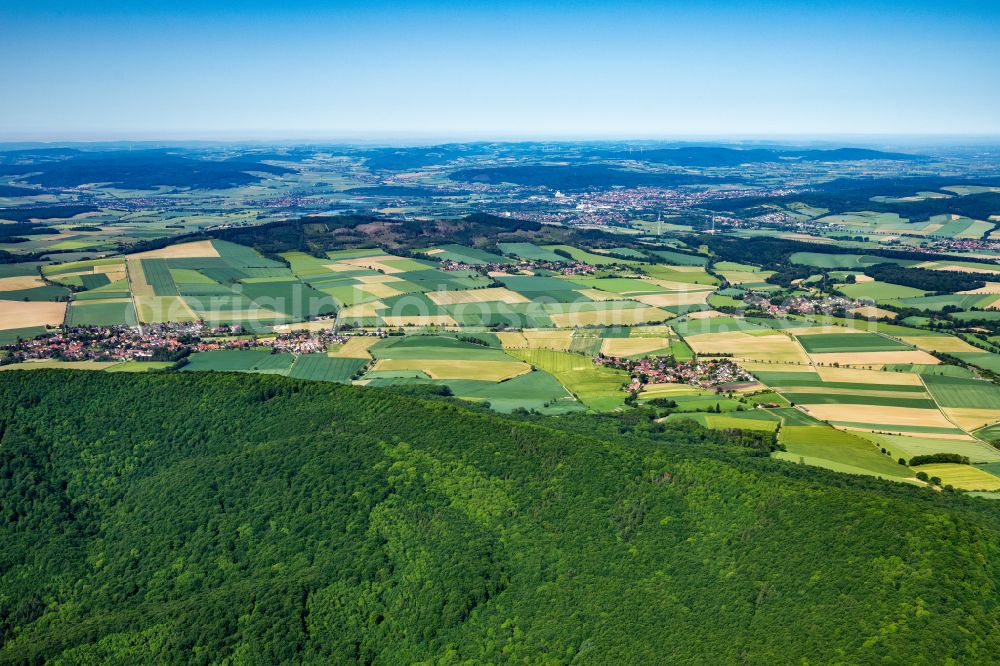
<point>222,518</point>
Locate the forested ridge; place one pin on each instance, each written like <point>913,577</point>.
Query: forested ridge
<point>215,518</point>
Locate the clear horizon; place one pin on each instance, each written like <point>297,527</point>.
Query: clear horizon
<point>558,70</point>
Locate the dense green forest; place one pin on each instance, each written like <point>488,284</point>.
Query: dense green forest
<point>139,169</point>
<point>213,518</point>
<point>943,282</point>
<point>853,194</point>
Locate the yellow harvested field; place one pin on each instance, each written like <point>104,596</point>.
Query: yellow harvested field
<point>355,347</point>
<point>318,325</point>
<point>907,431</point>
<point>968,418</point>
<point>193,250</point>
<point>873,377</point>
<point>880,416</point>
<point>704,314</point>
<point>872,312</point>
<point>632,346</point>
<point>944,266</point>
<point>825,329</point>
<point>963,477</point>
<point>342,268</point>
<point>21,282</point>
<point>872,392</point>
<point>434,250</point>
<point>373,263</point>
<point>990,288</point>
<point>362,310</point>
<point>680,286</point>
<point>22,314</point>
<point>498,273</point>
<point>673,299</point>
<point>685,269</point>
<point>939,343</point>
<point>494,371</point>
<point>157,309</point>
<point>861,277</point>
<point>489,295</point>
<point>654,331</point>
<point>420,320</point>
<point>624,317</point>
<point>557,340</point>
<point>379,290</point>
<point>994,305</point>
<point>770,347</point>
<point>666,390</point>
<point>755,366</point>
<point>512,340</point>
<point>377,279</point>
<point>875,358</point>
<point>137,280</point>
<point>115,275</point>
<point>741,277</point>
<point>598,295</point>
<point>95,301</point>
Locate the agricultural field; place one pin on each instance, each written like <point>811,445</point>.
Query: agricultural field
<point>517,325</point>
<point>596,387</point>
<point>842,451</point>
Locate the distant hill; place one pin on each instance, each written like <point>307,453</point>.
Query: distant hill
<point>718,156</point>
<point>575,177</point>
<point>141,169</point>
<point>25,213</point>
<point>218,518</point>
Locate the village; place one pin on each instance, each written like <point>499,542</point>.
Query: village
<point>715,373</point>
<point>162,342</point>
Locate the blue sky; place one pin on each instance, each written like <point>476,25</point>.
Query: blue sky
<point>497,70</point>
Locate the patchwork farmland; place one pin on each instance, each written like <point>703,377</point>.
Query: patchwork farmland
<point>522,326</point>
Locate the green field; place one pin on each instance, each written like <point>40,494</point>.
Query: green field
<point>434,347</point>
<point>825,343</point>
<point>320,367</point>
<point>806,398</point>
<point>535,390</point>
<point>854,261</point>
<point>466,255</point>
<point>879,292</point>
<point>596,387</point>
<point>96,313</point>
<point>907,446</point>
<point>960,392</point>
<point>730,421</point>
<point>239,360</point>
<point>823,444</point>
